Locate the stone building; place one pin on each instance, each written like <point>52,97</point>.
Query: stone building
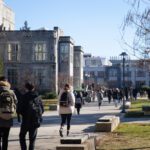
<point>7,17</point>
<point>78,67</point>
<point>30,55</point>
<point>136,73</point>
<point>66,54</point>
<point>95,70</point>
<point>45,57</point>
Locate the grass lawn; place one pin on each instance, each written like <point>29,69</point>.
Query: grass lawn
<point>127,137</point>
<point>136,108</point>
<point>137,105</point>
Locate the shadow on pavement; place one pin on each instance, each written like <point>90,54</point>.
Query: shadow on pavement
<point>89,129</point>
<point>76,119</point>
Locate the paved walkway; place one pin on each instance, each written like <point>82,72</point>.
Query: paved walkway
<point>48,135</point>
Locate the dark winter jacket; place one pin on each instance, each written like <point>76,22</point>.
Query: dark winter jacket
<point>24,105</point>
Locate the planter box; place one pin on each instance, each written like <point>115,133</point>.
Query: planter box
<point>77,143</point>
<point>146,110</point>
<point>107,123</point>
<point>53,107</point>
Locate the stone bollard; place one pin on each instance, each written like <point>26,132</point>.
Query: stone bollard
<point>107,123</point>
<point>82,142</point>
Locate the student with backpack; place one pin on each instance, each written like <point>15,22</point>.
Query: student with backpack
<point>78,102</point>
<point>7,109</point>
<point>31,110</point>
<point>66,102</point>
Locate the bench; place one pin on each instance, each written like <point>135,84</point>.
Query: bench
<point>146,110</point>
<point>107,123</point>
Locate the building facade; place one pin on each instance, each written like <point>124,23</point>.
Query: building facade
<point>66,55</point>
<point>95,70</point>
<point>137,72</point>
<point>7,17</point>
<point>45,57</point>
<point>110,73</point>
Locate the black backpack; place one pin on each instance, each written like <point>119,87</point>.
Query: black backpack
<point>64,99</point>
<point>35,111</point>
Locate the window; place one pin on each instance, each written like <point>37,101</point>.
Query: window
<point>127,73</point>
<point>140,73</point>
<point>93,62</point>
<point>64,53</point>
<point>76,60</point>
<point>64,57</point>
<point>113,73</point>
<point>40,51</point>
<point>64,48</point>
<point>92,74</point>
<point>12,76</point>
<point>101,74</point>
<point>13,52</point>
<point>40,76</point>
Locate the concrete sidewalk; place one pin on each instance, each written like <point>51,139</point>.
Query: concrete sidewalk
<point>48,134</point>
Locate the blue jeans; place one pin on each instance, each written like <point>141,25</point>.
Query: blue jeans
<point>32,137</point>
<point>4,133</point>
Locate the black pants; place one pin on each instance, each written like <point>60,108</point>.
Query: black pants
<point>78,107</point>
<point>64,118</point>
<point>32,137</point>
<point>4,133</point>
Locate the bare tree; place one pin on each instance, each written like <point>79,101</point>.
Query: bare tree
<point>138,20</point>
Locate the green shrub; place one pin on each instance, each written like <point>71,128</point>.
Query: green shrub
<point>145,88</point>
<point>134,114</point>
<point>49,95</point>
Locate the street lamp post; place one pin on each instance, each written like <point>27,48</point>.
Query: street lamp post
<point>87,77</point>
<point>123,54</point>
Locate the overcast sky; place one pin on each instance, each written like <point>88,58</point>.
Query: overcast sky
<point>93,24</point>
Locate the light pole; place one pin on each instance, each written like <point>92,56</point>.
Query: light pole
<point>87,76</point>
<point>123,54</point>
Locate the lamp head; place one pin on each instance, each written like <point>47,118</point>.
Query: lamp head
<point>123,54</point>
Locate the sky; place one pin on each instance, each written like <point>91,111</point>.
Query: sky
<point>93,24</point>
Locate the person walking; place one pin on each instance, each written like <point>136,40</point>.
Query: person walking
<point>78,101</point>
<point>31,110</point>
<point>99,97</point>
<point>109,94</point>
<point>66,102</point>
<point>115,96</point>
<point>8,102</point>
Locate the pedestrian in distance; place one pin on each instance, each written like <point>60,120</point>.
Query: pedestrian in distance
<point>115,96</point>
<point>31,110</point>
<point>8,102</point>
<point>99,97</point>
<point>66,102</point>
<point>78,101</point>
<point>109,94</point>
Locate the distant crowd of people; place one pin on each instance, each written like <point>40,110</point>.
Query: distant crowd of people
<point>29,108</point>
